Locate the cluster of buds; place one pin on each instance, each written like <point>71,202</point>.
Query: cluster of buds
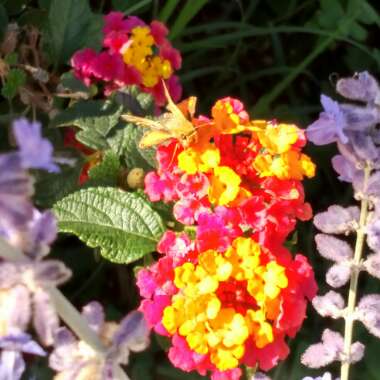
<point>353,128</point>
<point>134,53</point>
<point>28,294</point>
<point>226,290</point>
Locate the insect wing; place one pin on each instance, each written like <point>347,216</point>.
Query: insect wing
<point>153,138</point>
<point>143,122</point>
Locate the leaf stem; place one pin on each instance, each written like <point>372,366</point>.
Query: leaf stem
<point>359,245</point>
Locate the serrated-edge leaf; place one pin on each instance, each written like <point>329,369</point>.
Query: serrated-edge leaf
<point>122,224</point>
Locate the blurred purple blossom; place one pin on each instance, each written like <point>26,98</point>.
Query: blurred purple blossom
<point>347,171</point>
<point>330,125</point>
<point>330,350</point>
<point>260,376</point>
<point>329,305</point>
<point>333,248</point>
<point>72,358</point>
<point>16,188</point>
<point>337,220</point>
<point>35,151</point>
<point>12,364</point>
<point>362,86</point>
<point>26,281</point>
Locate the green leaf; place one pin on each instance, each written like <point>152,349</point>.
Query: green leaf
<point>124,141</point>
<point>106,172</point>
<point>70,82</point>
<point>122,224</point>
<point>11,58</point>
<point>51,187</point>
<point>95,118</point>
<point>71,24</point>
<point>14,80</point>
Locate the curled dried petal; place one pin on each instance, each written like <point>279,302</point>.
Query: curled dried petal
<point>332,248</point>
<point>329,305</point>
<point>337,219</point>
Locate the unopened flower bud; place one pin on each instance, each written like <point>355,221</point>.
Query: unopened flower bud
<point>135,178</point>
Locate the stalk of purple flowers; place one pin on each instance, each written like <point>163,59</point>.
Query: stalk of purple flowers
<point>28,293</point>
<point>353,128</point>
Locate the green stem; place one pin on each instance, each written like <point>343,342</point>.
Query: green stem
<point>359,245</point>
<point>249,372</point>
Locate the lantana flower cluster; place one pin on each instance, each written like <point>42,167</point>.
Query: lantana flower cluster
<point>226,291</point>
<point>133,53</point>
<point>353,127</point>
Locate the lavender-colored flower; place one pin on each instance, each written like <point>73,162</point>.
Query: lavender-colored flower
<point>372,265</point>
<point>333,248</point>
<point>260,376</point>
<point>362,86</point>
<point>348,172</point>
<point>330,350</point>
<point>339,274</point>
<point>325,376</point>
<point>369,313</point>
<point>373,234</point>
<point>74,359</point>
<point>35,151</point>
<point>330,126</point>
<point>35,236</point>
<point>29,278</point>
<point>16,188</point>
<point>338,220</point>
<point>12,364</point>
<point>329,305</point>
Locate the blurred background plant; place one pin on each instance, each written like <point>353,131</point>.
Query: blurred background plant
<point>276,56</point>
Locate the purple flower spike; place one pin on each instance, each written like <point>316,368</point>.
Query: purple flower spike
<point>338,220</point>
<point>332,248</point>
<point>329,305</point>
<point>369,313</point>
<point>35,151</point>
<point>362,86</point>
<point>330,125</point>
